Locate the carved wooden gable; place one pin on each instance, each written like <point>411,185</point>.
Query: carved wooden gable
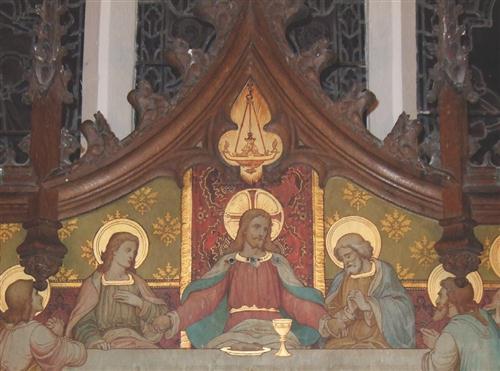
<point>306,127</point>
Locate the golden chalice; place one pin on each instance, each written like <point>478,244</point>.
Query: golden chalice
<point>282,327</point>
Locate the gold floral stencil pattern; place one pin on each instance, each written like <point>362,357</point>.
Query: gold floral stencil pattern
<point>116,215</point>
<point>8,230</point>
<point>485,255</point>
<point>143,199</point>
<point>423,251</point>
<point>88,254</point>
<point>67,229</point>
<point>167,273</point>
<point>356,196</point>
<point>396,224</point>
<point>404,273</point>
<point>64,275</point>
<point>168,228</point>
<point>331,220</point>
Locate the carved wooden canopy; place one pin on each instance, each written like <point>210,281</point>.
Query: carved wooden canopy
<point>173,136</point>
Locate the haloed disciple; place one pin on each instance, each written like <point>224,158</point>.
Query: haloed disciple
<point>369,306</point>
<point>115,307</point>
<point>26,343</point>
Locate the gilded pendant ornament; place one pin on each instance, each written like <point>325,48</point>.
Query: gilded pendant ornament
<point>250,147</point>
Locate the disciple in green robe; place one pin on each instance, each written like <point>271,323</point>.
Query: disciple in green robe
<point>98,317</point>
<point>466,344</point>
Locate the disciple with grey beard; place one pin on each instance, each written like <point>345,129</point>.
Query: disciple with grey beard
<point>369,306</point>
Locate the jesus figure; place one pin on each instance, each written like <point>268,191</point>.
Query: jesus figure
<point>233,304</point>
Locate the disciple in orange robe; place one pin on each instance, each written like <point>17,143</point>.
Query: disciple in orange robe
<point>390,322</point>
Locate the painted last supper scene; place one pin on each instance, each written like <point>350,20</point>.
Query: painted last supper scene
<point>249,184</point>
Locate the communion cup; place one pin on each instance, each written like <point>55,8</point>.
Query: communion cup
<point>282,326</point>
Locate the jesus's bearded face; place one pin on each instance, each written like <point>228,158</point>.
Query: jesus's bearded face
<point>256,233</point>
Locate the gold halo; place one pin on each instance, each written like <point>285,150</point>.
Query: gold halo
<point>495,256</point>
<point>438,274</point>
<point>253,198</point>
<point>13,274</point>
<point>104,233</point>
<point>352,224</point>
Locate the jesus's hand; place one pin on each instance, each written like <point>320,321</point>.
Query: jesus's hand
<point>162,324</point>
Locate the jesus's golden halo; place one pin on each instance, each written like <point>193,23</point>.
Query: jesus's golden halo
<point>253,198</point>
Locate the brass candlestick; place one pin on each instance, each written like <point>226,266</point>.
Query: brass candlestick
<point>282,326</point>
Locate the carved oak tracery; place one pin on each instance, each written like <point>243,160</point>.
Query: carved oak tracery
<point>173,136</point>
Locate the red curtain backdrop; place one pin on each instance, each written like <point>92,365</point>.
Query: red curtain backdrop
<point>210,240</point>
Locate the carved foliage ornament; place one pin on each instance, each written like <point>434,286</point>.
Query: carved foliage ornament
<point>452,54</point>
<point>41,253</point>
<point>48,52</point>
<point>101,141</point>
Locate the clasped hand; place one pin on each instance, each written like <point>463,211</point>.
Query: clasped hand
<point>162,323</point>
<point>429,336</point>
<point>56,325</point>
<point>355,298</point>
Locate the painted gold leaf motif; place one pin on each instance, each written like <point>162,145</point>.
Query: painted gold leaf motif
<point>167,273</point>
<point>8,230</point>
<point>116,215</point>
<point>168,228</point>
<point>250,147</point>
<point>329,221</point>
<point>88,253</point>
<point>485,255</point>
<point>404,272</point>
<point>64,275</point>
<point>356,196</point>
<point>143,199</point>
<point>396,225</point>
<point>67,229</point>
<point>423,251</point>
